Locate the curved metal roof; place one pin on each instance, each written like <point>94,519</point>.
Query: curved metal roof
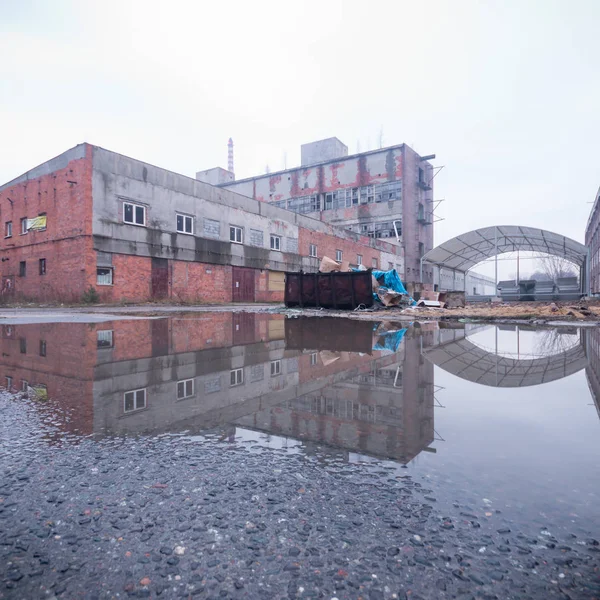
<point>468,249</point>
<point>464,359</point>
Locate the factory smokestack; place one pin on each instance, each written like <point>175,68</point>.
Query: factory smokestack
<point>230,156</point>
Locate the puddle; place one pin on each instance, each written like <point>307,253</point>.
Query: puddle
<point>499,416</point>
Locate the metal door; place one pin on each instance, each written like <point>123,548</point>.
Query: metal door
<point>243,285</point>
<point>160,278</point>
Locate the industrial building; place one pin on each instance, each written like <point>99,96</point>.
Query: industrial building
<point>592,241</point>
<point>91,218</point>
<point>382,194</point>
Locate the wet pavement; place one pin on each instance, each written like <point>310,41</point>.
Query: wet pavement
<point>235,455</point>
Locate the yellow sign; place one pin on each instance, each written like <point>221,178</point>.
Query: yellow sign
<point>37,224</point>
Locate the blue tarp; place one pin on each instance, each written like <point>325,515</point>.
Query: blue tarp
<point>390,340</point>
<point>391,280</point>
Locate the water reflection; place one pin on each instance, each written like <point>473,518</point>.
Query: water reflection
<point>362,387</point>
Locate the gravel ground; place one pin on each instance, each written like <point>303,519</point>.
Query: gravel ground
<point>180,516</point>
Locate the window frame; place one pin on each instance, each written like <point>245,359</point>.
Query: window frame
<point>359,259</point>
<point>112,275</point>
<point>134,205</point>
<point>233,229</point>
<point>339,255</point>
<point>24,226</point>
<point>24,385</point>
<point>186,395</point>
<point>374,263</point>
<point>277,239</point>
<point>310,250</point>
<point>135,407</point>
<point>8,229</point>
<point>112,338</point>
<point>235,373</point>
<point>23,268</point>
<point>185,220</point>
<point>9,382</point>
<point>42,266</point>
<point>277,365</point>
<point>43,348</point>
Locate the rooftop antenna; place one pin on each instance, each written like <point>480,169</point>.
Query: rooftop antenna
<point>230,156</point>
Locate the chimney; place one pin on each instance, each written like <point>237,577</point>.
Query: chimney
<point>230,157</point>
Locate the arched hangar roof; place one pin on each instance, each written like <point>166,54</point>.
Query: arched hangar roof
<point>468,249</point>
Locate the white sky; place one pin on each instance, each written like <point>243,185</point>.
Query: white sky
<point>506,93</point>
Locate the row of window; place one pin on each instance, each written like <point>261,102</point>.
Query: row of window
<point>23,267</point>
<point>25,225</point>
<point>344,198</point>
<point>23,346</point>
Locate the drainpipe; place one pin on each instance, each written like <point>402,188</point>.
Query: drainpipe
<point>421,277</point>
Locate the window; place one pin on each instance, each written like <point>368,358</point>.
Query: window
<point>235,234</point>
<point>23,345</point>
<point>134,214</point>
<point>275,242</point>
<point>421,248</point>
<point>134,400</point>
<point>104,276</point>
<point>22,268</point>
<point>23,225</point>
<point>8,229</point>
<point>390,266</point>
<point>185,224</point>
<point>312,250</point>
<point>338,255</point>
<point>305,204</point>
<point>359,259</point>
<point>8,382</point>
<point>104,338</point>
<point>275,368</point>
<point>313,359</point>
<point>236,377</point>
<point>185,389</point>
<point>24,385</point>
<point>374,263</point>
<point>42,347</point>
<point>42,266</point>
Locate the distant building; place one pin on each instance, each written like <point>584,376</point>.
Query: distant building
<point>592,241</point>
<point>383,194</point>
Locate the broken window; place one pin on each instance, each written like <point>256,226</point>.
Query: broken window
<point>104,338</point>
<point>42,347</point>
<point>338,255</point>
<point>23,345</point>
<point>42,266</point>
<point>24,385</point>
<point>135,214</point>
<point>275,368</point>
<point>104,276</point>
<point>8,382</point>
<point>23,269</point>
<point>236,377</point>
<point>314,357</point>
<point>235,234</point>
<point>305,204</point>
<point>185,224</point>
<point>275,242</point>
<point>185,389</point>
<point>23,225</point>
<point>8,229</point>
<point>134,400</point>
<point>312,250</point>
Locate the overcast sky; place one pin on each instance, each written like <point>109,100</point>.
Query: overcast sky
<point>506,93</point>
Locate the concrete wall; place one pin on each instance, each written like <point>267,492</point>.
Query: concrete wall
<point>592,241</point>
<point>315,152</point>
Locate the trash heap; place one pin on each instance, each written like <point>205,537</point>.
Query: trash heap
<point>388,289</point>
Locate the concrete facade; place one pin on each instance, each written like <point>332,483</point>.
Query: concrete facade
<point>376,194</point>
<point>136,232</point>
<point>592,241</point>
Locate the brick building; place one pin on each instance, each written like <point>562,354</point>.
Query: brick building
<point>382,194</point>
<point>592,241</point>
<point>135,232</point>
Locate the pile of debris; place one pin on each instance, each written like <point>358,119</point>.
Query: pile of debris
<point>388,289</point>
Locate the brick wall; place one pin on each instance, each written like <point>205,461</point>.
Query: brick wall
<point>65,196</point>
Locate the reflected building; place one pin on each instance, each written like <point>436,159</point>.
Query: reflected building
<point>361,390</point>
<point>592,371</point>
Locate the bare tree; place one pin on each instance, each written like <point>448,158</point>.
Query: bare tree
<point>555,266</point>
